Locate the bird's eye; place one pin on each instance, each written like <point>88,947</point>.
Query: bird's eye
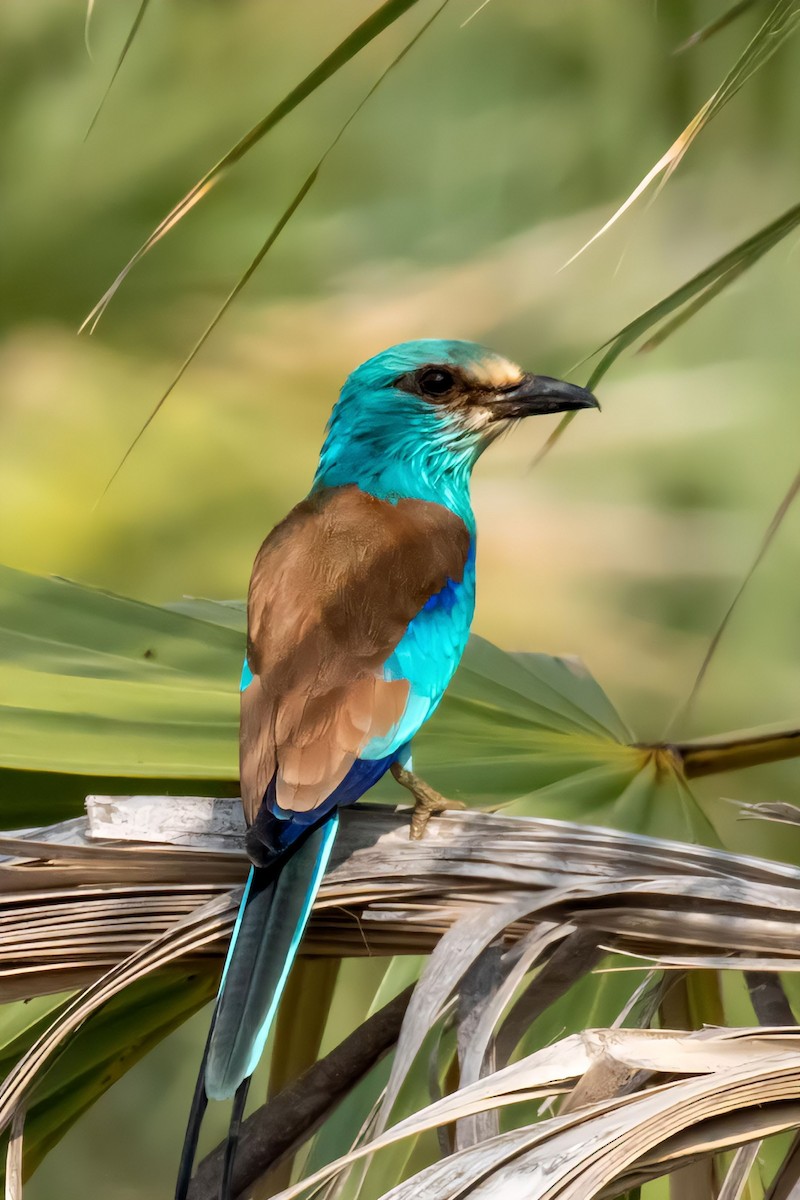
<point>436,382</point>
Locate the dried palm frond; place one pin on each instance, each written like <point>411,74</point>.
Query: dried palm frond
<point>612,1143</point>
<point>522,896</point>
<point>473,878</point>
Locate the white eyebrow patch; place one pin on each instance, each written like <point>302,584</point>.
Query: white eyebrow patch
<point>496,373</point>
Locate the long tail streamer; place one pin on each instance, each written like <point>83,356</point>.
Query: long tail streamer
<point>269,927</point>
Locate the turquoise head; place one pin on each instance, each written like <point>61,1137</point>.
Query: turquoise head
<point>413,420</point>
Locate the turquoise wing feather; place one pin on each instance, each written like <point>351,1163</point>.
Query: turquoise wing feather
<point>427,656</point>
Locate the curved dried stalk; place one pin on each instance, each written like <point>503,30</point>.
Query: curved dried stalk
<point>187,936</point>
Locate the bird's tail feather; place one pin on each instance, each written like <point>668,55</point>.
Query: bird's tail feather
<point>237,1112</point>
<point>272,916</point>
<point>196,1113</point>
<point>274,911</point>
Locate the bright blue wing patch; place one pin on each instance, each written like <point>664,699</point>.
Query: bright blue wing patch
<point>427,656</point>
<point>247,676</point>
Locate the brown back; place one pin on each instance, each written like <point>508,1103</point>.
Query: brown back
<point>333,589</point>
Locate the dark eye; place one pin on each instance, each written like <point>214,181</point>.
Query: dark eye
<point>435,381</point>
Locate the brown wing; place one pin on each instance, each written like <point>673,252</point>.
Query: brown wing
<point>333,589</point>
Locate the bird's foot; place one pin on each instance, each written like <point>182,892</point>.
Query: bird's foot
<point>427,800</point>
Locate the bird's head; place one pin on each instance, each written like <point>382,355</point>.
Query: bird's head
<point>433,406</point>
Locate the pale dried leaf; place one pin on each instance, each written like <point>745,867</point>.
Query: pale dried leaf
<point>739,1172</point>
<point>574,957</point>
<point>13,1183</point>
<point>782,811</point>
<point>450,960</point>
<point>709,1058</point>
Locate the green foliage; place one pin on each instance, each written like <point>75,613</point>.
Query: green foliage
<point>133,692</point>
<point>95,685</point>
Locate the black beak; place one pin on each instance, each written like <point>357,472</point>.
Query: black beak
<point>539,394</point>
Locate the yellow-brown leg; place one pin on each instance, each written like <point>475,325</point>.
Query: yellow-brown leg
<point>427,800</point>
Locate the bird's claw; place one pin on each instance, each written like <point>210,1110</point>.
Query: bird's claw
<point>427,801</point>
<point>426,806</point>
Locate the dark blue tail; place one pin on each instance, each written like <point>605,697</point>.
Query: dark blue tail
<point>273,914</point>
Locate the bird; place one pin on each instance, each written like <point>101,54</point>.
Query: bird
<point>359,610</point>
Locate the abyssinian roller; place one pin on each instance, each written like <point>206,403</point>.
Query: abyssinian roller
<point>359,610</point>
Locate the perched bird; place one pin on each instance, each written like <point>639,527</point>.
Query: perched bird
<point>359,610</point>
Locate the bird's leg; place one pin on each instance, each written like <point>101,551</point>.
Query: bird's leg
<point>427,801</point>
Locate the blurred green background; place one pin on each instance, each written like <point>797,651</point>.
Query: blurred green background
<point>489,156</point>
